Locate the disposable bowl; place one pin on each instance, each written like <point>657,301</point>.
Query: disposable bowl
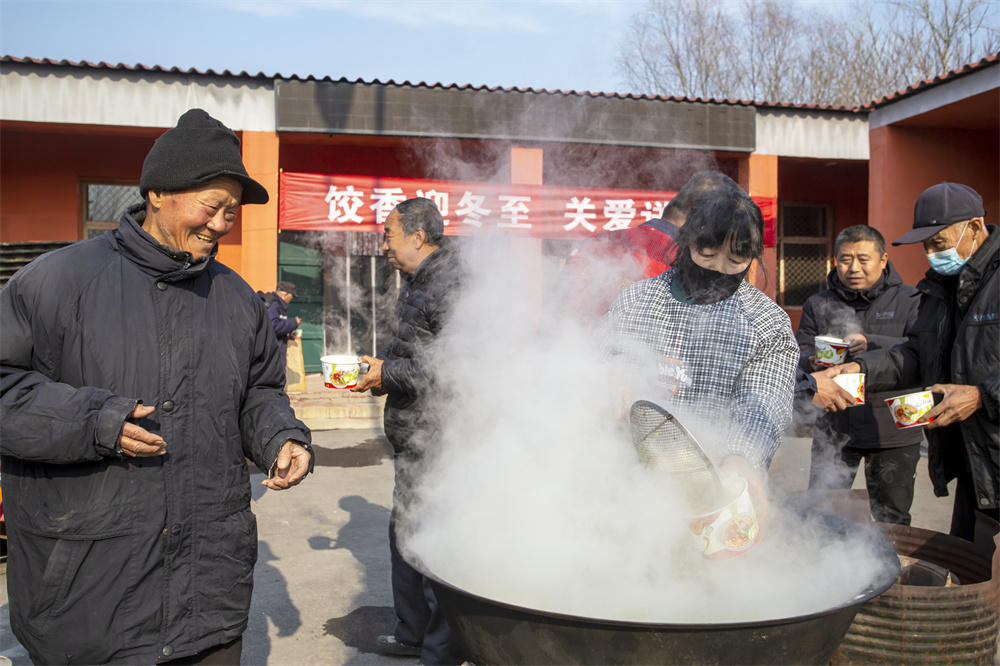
<point>340,372</point>
<point>830,351</point>
<point>853,383</point>
<point>906,409</point>
<point>730,530</point>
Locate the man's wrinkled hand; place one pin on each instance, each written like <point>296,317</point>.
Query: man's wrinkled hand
<point>959,403</point>
<point>372,381</point>
<point>830,396</point>
<point>290,467</point>
<point>137,442</point>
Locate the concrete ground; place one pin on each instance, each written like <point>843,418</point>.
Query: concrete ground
<point>322,590</point>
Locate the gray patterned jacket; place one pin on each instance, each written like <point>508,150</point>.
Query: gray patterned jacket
<point>726,369</point>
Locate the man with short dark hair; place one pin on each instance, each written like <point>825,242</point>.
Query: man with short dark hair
<point>137,375</point>
<point>415,245</point>
<point>953,350</point>
<point>869,307</point>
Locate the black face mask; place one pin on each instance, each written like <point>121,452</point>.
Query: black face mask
<point>705,286</point>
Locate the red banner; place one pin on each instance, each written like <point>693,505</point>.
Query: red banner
<point>322,202</point>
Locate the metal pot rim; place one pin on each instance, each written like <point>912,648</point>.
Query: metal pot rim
<point>873,590</point>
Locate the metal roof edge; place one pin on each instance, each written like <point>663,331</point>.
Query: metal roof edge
<point>941,79</point>
<point>274,78</point>
<point>506,137</point>
<point>988,61</point>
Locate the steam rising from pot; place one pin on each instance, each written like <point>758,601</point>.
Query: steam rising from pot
<point>532,493</point>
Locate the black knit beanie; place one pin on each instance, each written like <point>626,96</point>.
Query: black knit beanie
<point>199,149</point>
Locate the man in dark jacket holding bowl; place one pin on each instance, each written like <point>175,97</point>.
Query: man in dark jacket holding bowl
<point>953,350</point>
<point>869,307</point>
<point>415,245</point>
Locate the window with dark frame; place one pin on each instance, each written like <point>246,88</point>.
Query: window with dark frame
<point>103,204</point>
<point>805,249</point>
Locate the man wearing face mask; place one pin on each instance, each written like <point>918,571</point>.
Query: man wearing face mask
<point>953,350</point>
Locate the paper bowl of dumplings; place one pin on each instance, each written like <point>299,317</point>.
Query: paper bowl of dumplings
<point>729,530</point>
<point>340,372</point>
<point>830,351</point>
<point>907,409</point>
<point>853,383</point>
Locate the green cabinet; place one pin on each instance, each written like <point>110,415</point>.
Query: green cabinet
<point>346,292</point>
<point>302,265</point>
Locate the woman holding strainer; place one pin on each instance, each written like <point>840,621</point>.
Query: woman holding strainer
<point>721,354</point>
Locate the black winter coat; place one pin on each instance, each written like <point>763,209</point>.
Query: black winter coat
<point>423,309</point>
<point>956,340</point>
<point>884,313</point>
<point>113,558</point>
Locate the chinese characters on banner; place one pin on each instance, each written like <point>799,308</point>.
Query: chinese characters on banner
<point>320,202</point>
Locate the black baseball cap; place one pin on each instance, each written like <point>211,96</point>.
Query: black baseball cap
<point>940,206</point>
<point>286,287</point>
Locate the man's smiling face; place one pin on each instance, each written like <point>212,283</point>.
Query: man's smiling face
<point>194,220</point>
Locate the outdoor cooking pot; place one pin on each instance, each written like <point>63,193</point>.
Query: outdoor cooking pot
<point>494,632</point>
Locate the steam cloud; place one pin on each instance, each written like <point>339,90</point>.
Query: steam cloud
<point>827,467</point>
<point>532,493</point>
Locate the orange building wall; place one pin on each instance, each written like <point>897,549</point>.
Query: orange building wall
<point>907,160</point>
<point>258,248</point>
<point>43,168</point>
<point>759,176</point>
<point>843,185</point>
<point>41,175</point>
<point>564,164</point>
<point>631,167</point>
<point>393,157</point>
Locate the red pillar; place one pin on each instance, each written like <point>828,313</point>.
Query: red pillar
<point>759,175</point>
<point>526,253</point>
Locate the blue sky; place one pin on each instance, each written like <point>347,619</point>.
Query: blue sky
<point>564,45</point>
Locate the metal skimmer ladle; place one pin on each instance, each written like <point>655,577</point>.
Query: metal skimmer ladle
<point>664,444</point>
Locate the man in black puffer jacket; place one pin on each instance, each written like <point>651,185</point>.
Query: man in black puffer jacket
<point>954,350</point>
<point>137,375</point>
<point>868,305</point>
<point>416,246</point>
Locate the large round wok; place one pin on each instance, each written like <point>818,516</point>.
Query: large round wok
<point>494,632</point>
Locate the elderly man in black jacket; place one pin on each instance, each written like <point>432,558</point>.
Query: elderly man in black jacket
<point>137,375</point>
<point>416,246</point>
<point>954,349</point>
<point>276,303</point>
<point>868,306</point>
